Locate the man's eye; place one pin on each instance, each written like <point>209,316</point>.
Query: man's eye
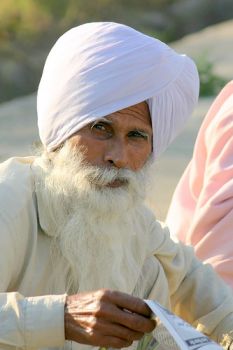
<point>98,126</point>
<point>101,130</point>
<point>138,134</point>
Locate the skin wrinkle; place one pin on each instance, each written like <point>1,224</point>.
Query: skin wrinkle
<point>120,149</point>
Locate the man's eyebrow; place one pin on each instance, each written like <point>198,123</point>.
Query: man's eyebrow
<point>142,132</point>
<point>102,119</point>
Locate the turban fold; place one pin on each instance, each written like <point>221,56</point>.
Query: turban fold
<point>99,68</point>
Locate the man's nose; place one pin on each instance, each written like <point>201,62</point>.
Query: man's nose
<point>116,155</point>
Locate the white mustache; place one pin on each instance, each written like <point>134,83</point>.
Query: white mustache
<point>105,176</point>
<point>72,161</point>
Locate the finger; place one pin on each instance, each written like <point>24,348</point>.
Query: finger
<point>122,332</point>
<point>130,320</point>
<point>101,333</point>
<point>93,325</point>
<point>115,342</point>
<point>134,321</point>
<point>129,302</point>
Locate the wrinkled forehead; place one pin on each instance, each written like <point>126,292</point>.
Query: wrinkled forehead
<point>138,114</point>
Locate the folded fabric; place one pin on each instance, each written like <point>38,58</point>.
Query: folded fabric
<point>201,211</point>
<point>99,68</point>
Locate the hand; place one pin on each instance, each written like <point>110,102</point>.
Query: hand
<point>106,318</point>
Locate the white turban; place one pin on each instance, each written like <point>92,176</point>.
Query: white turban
<point>96,69</point>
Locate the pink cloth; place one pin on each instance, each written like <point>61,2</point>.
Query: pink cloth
<point>201,211</point>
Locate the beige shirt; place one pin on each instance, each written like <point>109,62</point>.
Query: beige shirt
<point>31,319</point>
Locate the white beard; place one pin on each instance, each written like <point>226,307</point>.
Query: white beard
<point>94,243</point>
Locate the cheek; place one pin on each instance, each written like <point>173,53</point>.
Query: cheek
<point>93,150</point>
<point>93,153</point>
<point>139,156</point>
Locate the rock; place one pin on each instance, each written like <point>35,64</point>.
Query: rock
<point>214,42</point>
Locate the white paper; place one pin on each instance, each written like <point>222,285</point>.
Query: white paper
<point>186,337</point>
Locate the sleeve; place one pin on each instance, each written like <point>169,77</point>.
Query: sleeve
<point>25,322</point>
<point>197,294</point>
<point>201,212</point>
<point>29,323</point>
<point>211,227</point>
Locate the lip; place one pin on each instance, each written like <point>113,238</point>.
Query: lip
<point>117,183</point>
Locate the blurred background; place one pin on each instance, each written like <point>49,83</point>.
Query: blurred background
<point>202,29</point>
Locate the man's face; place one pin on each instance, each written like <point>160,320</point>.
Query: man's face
<point>122,139</point>
<point>81,195</point>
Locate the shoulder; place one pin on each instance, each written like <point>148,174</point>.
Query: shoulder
<point>15,165</point>
<point>155,231</point>
<point>16,186</point>
<point>145,217</point>
<point>222,106</point>
<point>15,170</point>
<point>148,218</point>
<point>18,219</point>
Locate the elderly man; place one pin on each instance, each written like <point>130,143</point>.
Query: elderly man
<point>79,249</point>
